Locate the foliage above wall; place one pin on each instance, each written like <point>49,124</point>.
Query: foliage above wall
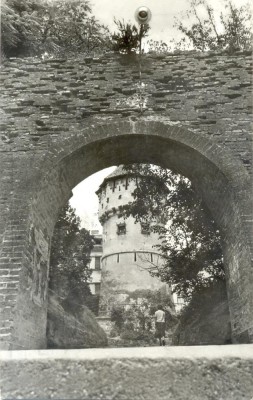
<point>203,29</point>
<point>31,27</point>
<point>127,39</point>
<point>68,27</point>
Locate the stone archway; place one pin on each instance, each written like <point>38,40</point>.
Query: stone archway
<point>219,178</point>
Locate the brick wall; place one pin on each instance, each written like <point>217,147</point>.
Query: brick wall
<point>62,120</point>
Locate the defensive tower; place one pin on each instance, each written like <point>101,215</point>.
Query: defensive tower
<point>128,246</point>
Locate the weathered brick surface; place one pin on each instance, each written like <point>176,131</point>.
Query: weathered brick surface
<point>62,120</point>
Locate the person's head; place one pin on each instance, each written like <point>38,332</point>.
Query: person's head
<point>160,307</point>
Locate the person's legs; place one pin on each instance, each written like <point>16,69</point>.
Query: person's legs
<point>160,333</point>
<point>163,334</point>
<point>157,333</point>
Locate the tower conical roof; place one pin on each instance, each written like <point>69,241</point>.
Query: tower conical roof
<point>117,173</point>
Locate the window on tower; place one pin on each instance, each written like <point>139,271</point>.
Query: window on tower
<point>121,228</point>
<point>145,228</point>
<point>113,186</point>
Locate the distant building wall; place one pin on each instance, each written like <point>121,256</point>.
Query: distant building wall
<point>95,265</point>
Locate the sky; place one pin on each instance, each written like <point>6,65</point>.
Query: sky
<point>163,13</point>
<point>84,199</point>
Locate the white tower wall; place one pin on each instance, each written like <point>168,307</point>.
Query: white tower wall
<point>128,248</point>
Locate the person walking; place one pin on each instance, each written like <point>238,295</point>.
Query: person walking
<point>160,325</point>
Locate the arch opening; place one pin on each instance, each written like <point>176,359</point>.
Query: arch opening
<point>125,286</point>
<point>156,144</point>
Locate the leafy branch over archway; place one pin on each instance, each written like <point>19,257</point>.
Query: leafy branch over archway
<point>190,241</point>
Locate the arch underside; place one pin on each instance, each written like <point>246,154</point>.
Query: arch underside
<point>224,190</point>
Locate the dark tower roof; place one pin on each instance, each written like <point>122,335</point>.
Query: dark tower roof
<point>119,172</point>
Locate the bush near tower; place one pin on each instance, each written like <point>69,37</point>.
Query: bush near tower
<point>135,326</point>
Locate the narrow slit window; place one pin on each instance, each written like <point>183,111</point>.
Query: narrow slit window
<point>114,186</point>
